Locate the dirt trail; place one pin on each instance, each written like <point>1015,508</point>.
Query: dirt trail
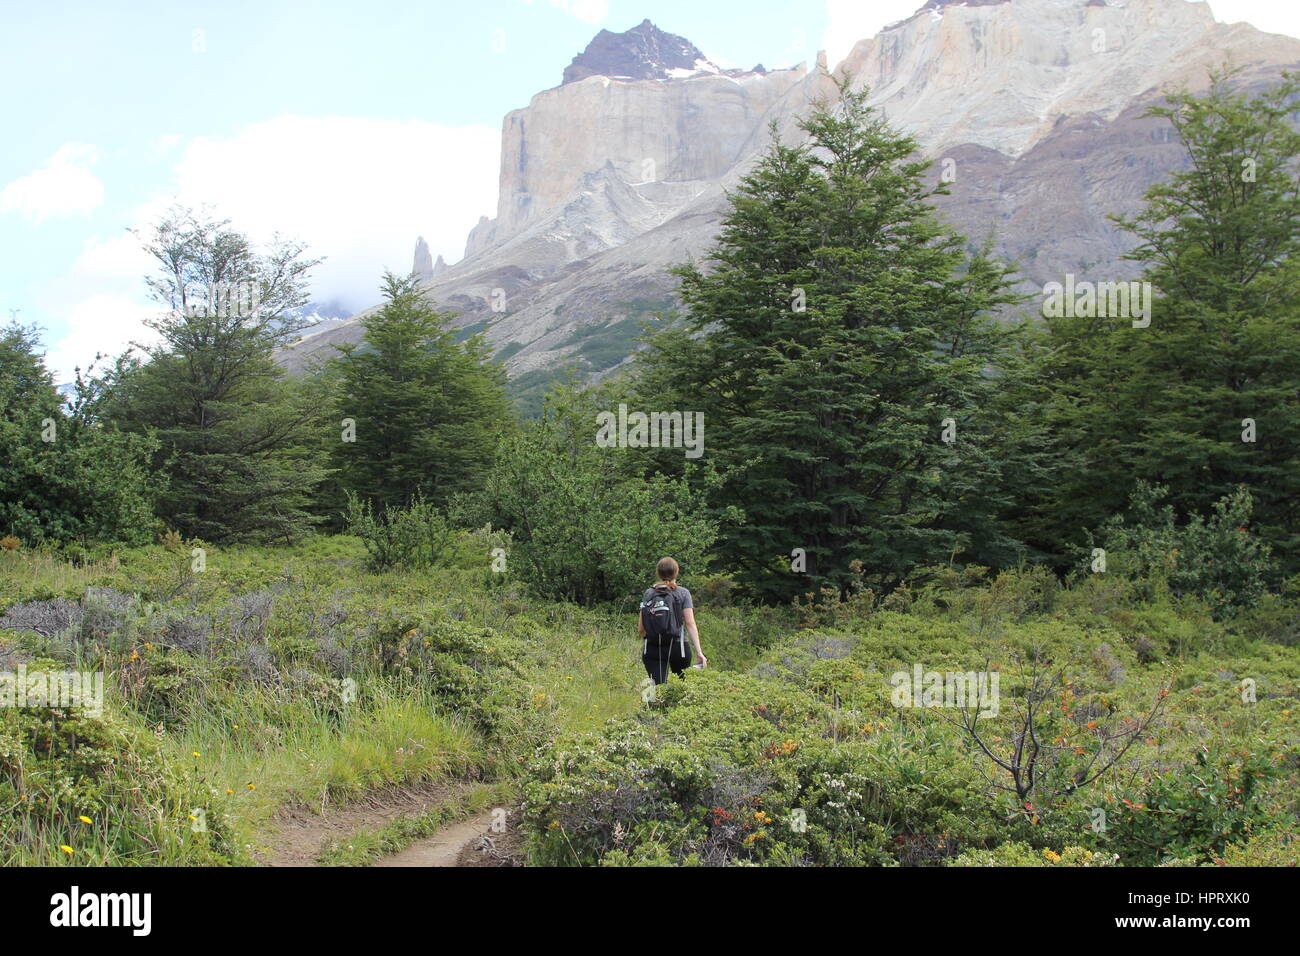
<point>445,847</point>
<point>299,834</point>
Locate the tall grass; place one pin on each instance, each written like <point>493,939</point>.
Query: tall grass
<point>259,751</point>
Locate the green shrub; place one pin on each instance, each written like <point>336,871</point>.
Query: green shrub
<point>584,526</point>
<point>413,538</point>
<point>1013,595</point>
<point>1021,854</point>
<point>1273,847</point>
<point>472,669</point>
<point>714,590</point>
<point>829,606</point>
<point>726,769</point>
<point>162,683</point>
<point>1274,617</point>
<point>1218,559</point>
<point>1194,813</point>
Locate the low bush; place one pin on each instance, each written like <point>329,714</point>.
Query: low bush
<point>1218,558</point>
<point>412,538</point>
<point>1021,854</point>
<point>809,760</point>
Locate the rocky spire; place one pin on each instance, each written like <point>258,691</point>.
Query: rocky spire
<point>423,267</point>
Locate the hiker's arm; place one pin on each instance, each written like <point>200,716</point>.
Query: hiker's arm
<point>688,617</point>
<point>640,626</point>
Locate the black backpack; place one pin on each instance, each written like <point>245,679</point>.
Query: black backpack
<point>657,615</point>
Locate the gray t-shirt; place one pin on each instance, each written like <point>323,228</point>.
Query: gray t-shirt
<point>678,597</point>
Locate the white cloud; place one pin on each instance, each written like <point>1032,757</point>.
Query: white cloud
<point>102,303</point>
<point>1267,15</point>
<point>104,323</point>
<point>164,144</point>
<point>64,186</point>
<point>118,259</point>
<point>849,21</point>
<point>357,191</point>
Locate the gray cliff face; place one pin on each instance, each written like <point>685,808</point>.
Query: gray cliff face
<point>1033,106</point>
<point>683,129</point>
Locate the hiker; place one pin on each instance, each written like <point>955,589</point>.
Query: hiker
<point>667,612</point>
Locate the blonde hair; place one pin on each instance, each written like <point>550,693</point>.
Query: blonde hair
<point>668,570</point>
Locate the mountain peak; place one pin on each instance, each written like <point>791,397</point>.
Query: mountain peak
<point>422,268</point>
<point>642,53</point>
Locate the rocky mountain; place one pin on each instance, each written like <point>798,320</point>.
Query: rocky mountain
<point>1032,108</point>
<point>321,316</point>
<point>643,53</point>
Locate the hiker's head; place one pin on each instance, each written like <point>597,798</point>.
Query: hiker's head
<point>667,570</point>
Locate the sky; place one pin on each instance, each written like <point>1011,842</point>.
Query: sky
<point>352,126</point>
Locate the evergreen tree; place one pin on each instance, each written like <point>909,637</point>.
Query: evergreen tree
<point>426,411</point>
<point>233,433</point>
<point>839,337</point>
<point>1170,403</point>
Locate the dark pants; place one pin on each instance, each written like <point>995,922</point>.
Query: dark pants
<point>665,653</point>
